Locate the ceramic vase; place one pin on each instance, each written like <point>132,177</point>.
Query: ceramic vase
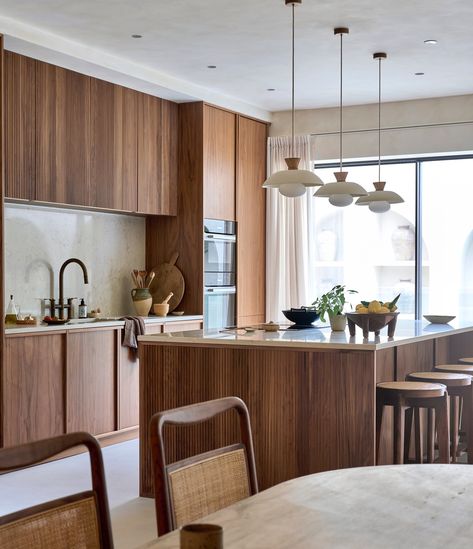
<point>403,242</point>
<point>142,300</point>
<point>338,323</point>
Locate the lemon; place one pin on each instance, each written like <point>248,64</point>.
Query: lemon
<point>359,306</point>
<point>374,306</point>
<point>383,310</point>
<point>362,310</point>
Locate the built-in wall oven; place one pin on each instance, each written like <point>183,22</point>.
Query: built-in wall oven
<point>219,273</point>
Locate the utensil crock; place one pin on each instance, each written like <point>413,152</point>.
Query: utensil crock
<point>142,300</point>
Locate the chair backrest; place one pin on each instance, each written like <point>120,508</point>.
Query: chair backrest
<point>79,520</point>
<point>189,489</point>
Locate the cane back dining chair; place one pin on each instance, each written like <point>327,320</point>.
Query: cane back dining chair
<point>191,488</point>
<point>78,520</point>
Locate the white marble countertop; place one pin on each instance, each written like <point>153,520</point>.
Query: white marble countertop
<point>112,323</point>
<point>407,331</point>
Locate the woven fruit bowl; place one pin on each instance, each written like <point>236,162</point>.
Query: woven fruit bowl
<point>372,322</point>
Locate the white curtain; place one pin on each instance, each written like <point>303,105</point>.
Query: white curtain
<point>288,234</point>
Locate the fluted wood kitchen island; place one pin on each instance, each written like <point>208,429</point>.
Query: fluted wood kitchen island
<point>310,394</point>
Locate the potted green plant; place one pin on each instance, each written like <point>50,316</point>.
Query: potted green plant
<point>332,303</point>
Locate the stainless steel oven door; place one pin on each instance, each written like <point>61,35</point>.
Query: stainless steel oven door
<point>219,253</point>
<point>219,307</point>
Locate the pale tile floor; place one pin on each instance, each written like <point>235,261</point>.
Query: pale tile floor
<point>133,519</point>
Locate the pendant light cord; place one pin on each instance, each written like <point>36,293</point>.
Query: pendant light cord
<point>293,78</point>
<point>341,102</point>
<point>379,119</point>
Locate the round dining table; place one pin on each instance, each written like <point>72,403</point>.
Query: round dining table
<point>385,507</point>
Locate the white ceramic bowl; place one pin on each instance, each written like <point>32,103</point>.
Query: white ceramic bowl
<point>439,319</point>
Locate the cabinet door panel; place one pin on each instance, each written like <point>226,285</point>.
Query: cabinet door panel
<point>219,163</point>
<point>91,367</point>
<point>114,146</point>
<point>169,173</point>
<point>251,217</point>
<point>128,392</point>
<point>20,120</point>
<point>62,136</point>
<point>33,389</point>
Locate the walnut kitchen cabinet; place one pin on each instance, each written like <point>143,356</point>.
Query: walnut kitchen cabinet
<point>20,124</point>
<point>62,136</point>
<point>251,221</point>
<point>113,177</point>
<point>91,381</point>
<point>33,388</point>
<point>219,129</point>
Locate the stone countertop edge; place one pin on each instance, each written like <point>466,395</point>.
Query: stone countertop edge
<point>40,328</point>
<point>262,339</point>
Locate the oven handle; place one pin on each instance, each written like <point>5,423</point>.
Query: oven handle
<point>220,237</point>
<point>220,290</point>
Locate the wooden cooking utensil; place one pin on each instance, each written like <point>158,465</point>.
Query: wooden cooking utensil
<point>168,278</point>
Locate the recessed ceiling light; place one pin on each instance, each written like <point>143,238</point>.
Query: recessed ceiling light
<point>137,36</point>
<point>271,89</point>
<point>211,66</point>
<point>430,42</point>
<point>419,73</point>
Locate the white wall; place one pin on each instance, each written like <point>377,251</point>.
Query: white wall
<point>38,240</point>
<point>415,141</point>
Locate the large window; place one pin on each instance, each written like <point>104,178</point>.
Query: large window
<point>422,249</point>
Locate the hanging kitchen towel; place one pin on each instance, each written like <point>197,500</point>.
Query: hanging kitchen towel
<point>134,327</point>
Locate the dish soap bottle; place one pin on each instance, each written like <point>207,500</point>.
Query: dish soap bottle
<point>82,309</point>
<point>12,312</point>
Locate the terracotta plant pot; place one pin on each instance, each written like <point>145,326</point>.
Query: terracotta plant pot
<point>338,322</point>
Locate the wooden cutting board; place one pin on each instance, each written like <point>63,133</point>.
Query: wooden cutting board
<point>168,278</point>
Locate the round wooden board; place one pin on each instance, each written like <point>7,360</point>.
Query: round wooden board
<point>168,278</point>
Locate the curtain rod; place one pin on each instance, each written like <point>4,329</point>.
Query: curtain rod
<point>390,128</point>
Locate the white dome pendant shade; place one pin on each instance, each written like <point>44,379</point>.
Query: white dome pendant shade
<point>341,192</point>
<point>292,182</point>
<point>379,200</point>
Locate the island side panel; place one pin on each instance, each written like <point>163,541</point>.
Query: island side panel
<point>386,371</point>
<point>310,411</point>
<point>450,348</point>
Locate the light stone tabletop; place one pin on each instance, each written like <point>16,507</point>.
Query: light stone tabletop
<point>391,507</point>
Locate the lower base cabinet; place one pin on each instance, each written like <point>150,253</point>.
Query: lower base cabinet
<point>91,381</point>
<point>33,389</point>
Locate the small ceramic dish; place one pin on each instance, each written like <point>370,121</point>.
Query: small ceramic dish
<point>177,313</point>
<point>439,319</point>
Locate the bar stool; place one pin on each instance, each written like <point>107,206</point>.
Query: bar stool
<point>466,412</point>
<point>458,386</point>
<point>467,360</point>
<point>403,395</point>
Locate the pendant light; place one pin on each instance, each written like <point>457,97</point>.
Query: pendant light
<point>293,182</point>
<point>341,192</point>
<point>379,200</point>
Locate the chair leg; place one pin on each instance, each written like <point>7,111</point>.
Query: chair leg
<point>430,435</point>
<point>454,425</point>
<point>399,434</point>
<point>442,421</point>
<point>419,434</point>
<point>407,433</point>
<point>379,424</point>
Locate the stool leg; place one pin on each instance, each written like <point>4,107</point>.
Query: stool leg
<point>430,435</point>
<point>468,415</point>
<point>443,428</point>
<point>419,436</point>
<point>399,434</point>
<point>379,423</point>
<point>454,423</point>
<point>407,433</point>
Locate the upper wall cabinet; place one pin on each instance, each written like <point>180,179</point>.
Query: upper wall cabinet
<point>20,115</point>
<point>62,136</point>
<point>113,173</point>
<point>219,163</point>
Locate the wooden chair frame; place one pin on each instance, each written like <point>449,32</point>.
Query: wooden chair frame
<point>33,453</point>
<point>188,415</point>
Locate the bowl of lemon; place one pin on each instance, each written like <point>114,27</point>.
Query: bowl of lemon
<point>373,316</point>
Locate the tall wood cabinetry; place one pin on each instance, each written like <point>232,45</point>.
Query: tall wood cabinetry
<point>222,166</point>
<point>76,140</point>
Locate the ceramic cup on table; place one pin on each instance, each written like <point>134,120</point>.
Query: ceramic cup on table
<point>201,536</point>
<point>142,301</point>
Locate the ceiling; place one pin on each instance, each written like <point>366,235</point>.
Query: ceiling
<point>249,42</point>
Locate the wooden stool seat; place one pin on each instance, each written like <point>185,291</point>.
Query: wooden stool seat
<point>412,389</point>
<point>455,368</point>
<point>467,360</point>
<point>450,379</point>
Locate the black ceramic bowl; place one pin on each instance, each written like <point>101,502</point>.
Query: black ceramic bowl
<point>301,317</point>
